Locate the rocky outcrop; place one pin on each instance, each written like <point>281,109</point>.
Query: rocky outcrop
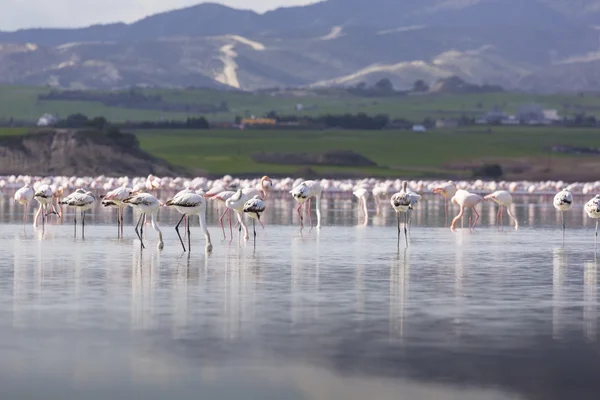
<point>79,152</point>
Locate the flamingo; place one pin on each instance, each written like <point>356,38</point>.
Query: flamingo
<point>402,202</point>
<point>80,200</point>
<point>43,195</point>
<point>115,199</point>
<point>465,200</point>
<point>447,190</point>
<point>503,199</point>
<point>563,201</point>
<point>190,204</point>
<point>145,203</point>
<point>253,208</point>
<point>302,193</point>
<point>379,193</point>
<point>24,196</point>
<point>236,203</point>
<point>592,209</point>
<point>361,194</point>
<point>222,197</point>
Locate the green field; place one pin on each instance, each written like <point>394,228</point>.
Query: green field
<point>21,103</point>
<point>435,153</point>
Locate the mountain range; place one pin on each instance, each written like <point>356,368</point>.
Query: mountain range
<point>533,45</point>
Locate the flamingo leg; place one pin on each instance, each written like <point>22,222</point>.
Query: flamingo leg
<point>230,226</point>
<point>310,213</point>
<point>137,232</point>
<point>405,230</point>
<point>300,215</point>
<point>459,216</point>
<point>562,216</point>
<point>398,216</point>
<point>476,219</point>
<point>254,229</point>
<point>445,211</point>
<point>118,223</point>
<point>75,224</point>
<point>142,228</point>
<point>498,217</point>
<point>178,234</point>
<point>502,217</point>
<point>596,236</point>
<point>189,234</point>
<point>221,221</point>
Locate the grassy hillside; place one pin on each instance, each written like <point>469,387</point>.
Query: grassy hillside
<point>523,152</point>
<point>21,103</point>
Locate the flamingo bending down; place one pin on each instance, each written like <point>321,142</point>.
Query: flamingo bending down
<point>222,197</point>
<point>361,194</point>
<point>563,201</point>
<point>115,199</point>
<point>447,190</point>
<point>43,196</point>
<point>254,208</point>
<point>83,201</point>
<point>236,203</point>
<point>24,196</point>
<point>190,204</point>
<point>503,199</point>
<point>592,209</point>
<point>303,193</point>
<point>402,202</point>
<point>145,203</point>
<point>465,200</point>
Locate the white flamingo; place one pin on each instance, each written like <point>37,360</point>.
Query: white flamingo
<point>222,197</point>
<point>190,204</point>
<point>503,199</point>
<point>43,195</point>
<point>24,196</point>
<point>465,200</point>
<point>303,194</point>
<point>115,199</point>
<point>401,203</point>
<point>254,208</point>
<point>563,201</point>
<point>236,203</point>
<point>80,200</point>
<point>447,190</point>
<point>592,209</point>
<point>145,203</point>
<point>361,194</point>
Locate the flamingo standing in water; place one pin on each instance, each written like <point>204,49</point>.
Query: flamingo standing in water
<point>447,190</point>
<point>43,195</point>
<point>145,203</point>
<point>115,199</point>
<point>402,202</point>
<point>592,209</point>
<point>361,194</point>
<point>236,203</point>
<point>222,197</point>
<point>254,208</point>
<point>563,201</point>
<point>302,194</point>
<point>379,193</point>
<point>82,201</point>
<point>190,204</point>
<point>503,199</point>
<point>24,196</point>
<point>465,200</point>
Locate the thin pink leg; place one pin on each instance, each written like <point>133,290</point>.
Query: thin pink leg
<point>470,219</point>
<point>300,214</point>
<point>230,226</point>
<point>445,211</point>
<point>476,218</point>
<point>261,224</point>
<point>310,213</point>
<point>223,226</point>
<point>498,217</point>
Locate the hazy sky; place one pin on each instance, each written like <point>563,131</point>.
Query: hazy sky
<point>18,14</point>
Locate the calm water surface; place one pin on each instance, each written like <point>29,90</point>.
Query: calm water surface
<point>339,313</point>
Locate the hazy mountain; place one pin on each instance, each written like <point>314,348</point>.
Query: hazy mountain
<point>509,42</point>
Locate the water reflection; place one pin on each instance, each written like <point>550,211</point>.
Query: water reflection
<point>333,313</point>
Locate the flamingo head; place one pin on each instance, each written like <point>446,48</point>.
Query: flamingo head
<point>265,184</point>
<point>439,191</point>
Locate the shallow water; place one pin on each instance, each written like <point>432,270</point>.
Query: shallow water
<point>339,313</point>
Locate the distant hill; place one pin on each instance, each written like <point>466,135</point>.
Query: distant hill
<point>84,152</point>
<point>335,42</point>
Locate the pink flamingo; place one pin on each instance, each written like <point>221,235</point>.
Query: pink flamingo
<point>503,199</point>
<point>465,200</point>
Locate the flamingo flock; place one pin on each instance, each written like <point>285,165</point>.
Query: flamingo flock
<point>250,197</point>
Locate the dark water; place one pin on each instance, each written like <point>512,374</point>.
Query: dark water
<point>339,313</point>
